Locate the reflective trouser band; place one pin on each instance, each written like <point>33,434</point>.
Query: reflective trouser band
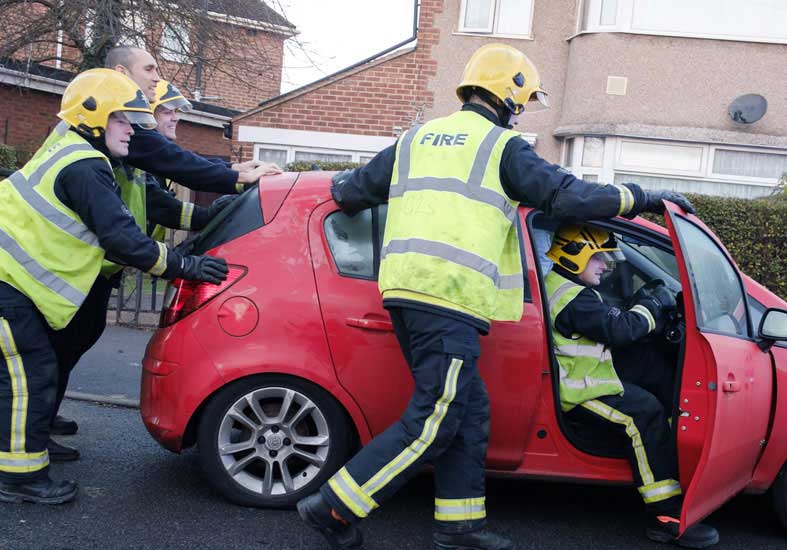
<point>348,491</point>
<point>22,463</point>
<point>16,371</point>
<point>186,212</point>
<point>240,188</point>
<point>598,351</point>
<point>662,490</point>
<point>457,256</point>
<point>645,312</point>
<point>608,413</point>
<point>412,452</point>
<point>160,266</point>
<point>459,509</point>
<point>626,199</point>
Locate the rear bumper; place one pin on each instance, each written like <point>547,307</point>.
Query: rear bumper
<point>159,413</point>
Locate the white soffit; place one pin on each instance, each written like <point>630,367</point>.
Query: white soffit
<point>324,140</point>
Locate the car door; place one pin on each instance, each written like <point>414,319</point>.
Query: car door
<point>366,354</point>
<point>726,383</point>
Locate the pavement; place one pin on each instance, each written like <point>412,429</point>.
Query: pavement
<point>110,372</point>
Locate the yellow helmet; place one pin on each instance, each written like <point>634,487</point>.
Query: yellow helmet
<point>574,245</point>
<point>95,94</point>
<point>170,97</point>
<point>506,73</point>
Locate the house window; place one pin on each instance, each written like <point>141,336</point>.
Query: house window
<point>306,156</point>
<point>749,164</point>
<point>501,17</point>
<point>276,156</point>
<point>175,43</point>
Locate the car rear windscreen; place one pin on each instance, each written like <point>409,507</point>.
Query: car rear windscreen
<point>242,216</point>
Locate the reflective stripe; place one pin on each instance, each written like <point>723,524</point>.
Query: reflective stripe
<point>160,266</point>
<point>662,490</point>
<point>404,156</point>
<point>240,188</point>
<point>23,462</point>
<point>452,185</point>
<point>645,312</point>
<point>186,212</point>
<point>348,491</point>
<point>417,448</point>
<point>43,168</point>
<point>459,509</point>
<point>586,382</point>
<point>599,351</point>
<point>457,256</point>
<point>37,271</point>
<point>483,155</point>
<point>605,411</point>
<point>626,199</point>
<point>25,188</point>
<point>16,371</point>
<point>561,290</point>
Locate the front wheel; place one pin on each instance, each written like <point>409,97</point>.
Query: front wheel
<point>270,440</point>
<point>779,496</point>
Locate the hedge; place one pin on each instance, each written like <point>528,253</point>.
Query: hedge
<point>7,157</point>
<point>308,165</point>
<point>754,232</point>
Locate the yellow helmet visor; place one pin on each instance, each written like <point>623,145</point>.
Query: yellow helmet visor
<point>141,119</point>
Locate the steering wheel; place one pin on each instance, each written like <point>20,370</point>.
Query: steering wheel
<point>674,330</point>
<point>643,291</point>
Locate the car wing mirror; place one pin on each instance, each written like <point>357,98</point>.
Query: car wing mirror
<point>773,327</point>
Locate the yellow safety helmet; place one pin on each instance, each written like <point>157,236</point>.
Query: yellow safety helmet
<point>574,245</point>
<point>167,95</point>
<point>506,73</point>
<point>95,94</point>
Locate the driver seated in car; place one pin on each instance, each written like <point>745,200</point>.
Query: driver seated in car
<point>593,393</point>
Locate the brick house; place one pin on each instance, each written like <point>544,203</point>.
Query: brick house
<point>641,91</point>
<point>30,94</point>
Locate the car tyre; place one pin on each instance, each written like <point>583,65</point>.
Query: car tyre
<point>269,440</point>
<point>779,496</point>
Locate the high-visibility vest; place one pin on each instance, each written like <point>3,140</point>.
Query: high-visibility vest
<point>451,234</point>
<point>46,251</point>
<point>586,369</point>
<point>132,192</point>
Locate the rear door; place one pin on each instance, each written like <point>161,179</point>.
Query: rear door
<point>727,382</point>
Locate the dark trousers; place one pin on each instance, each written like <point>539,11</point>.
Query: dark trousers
<point>638,420</point>
<point>28,383</point>
<point>446,423</point>
<point>81,334</point>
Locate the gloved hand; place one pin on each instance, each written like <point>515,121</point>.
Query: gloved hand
<point>220,204</point>
<point>204,268</point>
<point>653,201</point>
<point>664,297</point>
<point>659,301</point>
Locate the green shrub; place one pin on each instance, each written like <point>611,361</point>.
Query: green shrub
<point>7,157</point>
<point>754,232</point>
<point>306,165</point>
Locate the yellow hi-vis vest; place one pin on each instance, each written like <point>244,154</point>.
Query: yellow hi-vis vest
<point>586,369</point>
<point>132,192</point>
<point>451,234</point>
<point>46,251</point>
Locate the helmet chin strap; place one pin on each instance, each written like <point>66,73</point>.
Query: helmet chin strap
<point>500,109</point>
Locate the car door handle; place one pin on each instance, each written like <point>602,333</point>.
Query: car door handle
<point>370,324</point>
<point>731,386</point>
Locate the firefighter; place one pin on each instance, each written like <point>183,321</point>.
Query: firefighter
<point>450,264</point>
<point>586,332</point>
<point>154,209</point>
<point>59,216</point>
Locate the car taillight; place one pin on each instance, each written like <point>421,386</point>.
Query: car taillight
<point>183,297</point>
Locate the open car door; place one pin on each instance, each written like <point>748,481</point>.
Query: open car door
<point>726,382</point>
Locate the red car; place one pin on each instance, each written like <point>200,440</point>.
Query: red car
<point>282,371</point>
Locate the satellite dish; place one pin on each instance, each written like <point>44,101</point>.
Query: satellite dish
<point>748,108</point>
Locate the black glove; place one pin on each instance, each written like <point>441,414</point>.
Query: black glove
<point>220,204</point>
<point>659,301</point>
<point>653,201</point>
<point>664,297</point>
<point>203,268</point>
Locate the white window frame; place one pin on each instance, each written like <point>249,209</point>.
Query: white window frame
<point>174,56</point>
<point>742,179</point>
<point>624,22</point>
<point>494,16</point>
<point>355,156</point>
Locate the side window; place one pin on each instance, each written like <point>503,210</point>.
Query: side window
<point>716,286</point>
<point>355,241</point>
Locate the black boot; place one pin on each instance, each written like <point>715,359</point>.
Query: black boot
<point>63,426</point>
<point>44,491</point>
<point>483,539</point>
<point>61,453</point>
<point>665,529</point>
<point>316,513</point>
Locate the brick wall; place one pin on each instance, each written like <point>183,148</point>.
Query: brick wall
<point>205,140</point>
<point>370,100</point>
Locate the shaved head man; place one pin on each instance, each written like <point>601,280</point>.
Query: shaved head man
<point>138,65</point>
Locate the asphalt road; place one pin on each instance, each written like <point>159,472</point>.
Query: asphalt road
<point>136,495</point>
